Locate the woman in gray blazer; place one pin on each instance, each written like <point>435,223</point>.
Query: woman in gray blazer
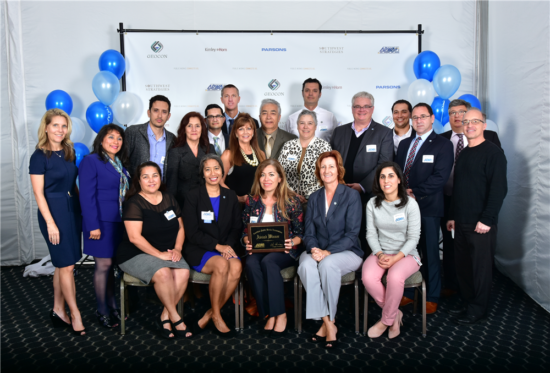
<point>332,224</point>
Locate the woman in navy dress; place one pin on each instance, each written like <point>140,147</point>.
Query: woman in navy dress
<point>53,177</point>
<point>103,184</point>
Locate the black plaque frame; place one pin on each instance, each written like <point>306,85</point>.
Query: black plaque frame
<point>254,226</point>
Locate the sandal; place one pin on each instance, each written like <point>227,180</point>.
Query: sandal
<point>180,333</point>
<point>315,338</point>
<point>164,333</point>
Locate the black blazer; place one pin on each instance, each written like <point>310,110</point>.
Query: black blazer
<point>201,237</point>
<point>492,136</point>
<point>428,179</point>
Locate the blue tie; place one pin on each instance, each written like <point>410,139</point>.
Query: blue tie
<point>231,121</point>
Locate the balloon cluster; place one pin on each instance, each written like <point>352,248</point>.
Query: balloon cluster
<point>113,104</point>
<point>433,78</point>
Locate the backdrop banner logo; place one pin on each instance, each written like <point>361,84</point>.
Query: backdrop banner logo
<point>274,84</point>
<point>387,121</point>
<point>331,49</point>
<point>273,49</point>
<point>389,50</point>
<point>215,87</point>
<point>157,46</point>
<point>388,87</point>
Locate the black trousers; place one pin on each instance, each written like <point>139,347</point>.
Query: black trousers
<point>264,274</point>
<point>449,267</point>
<point>474,255</point>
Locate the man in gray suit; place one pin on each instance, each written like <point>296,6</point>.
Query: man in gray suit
<point>151,141</point>
<point>270,137</point>
<point>363,144</point>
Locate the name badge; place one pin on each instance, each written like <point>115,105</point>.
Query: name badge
<point>254,219</point>
<point>417,260</point>
<point>399,217</point>
<point>207,216</point>
<point>427,159</point>
<point>292,158</point>
<point>322,129</point>
<point>169,215</point>
<point>162,160</point>
<point>371,148</point>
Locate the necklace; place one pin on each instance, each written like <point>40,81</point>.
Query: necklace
<point>254,162</point>
<point>55,152</point>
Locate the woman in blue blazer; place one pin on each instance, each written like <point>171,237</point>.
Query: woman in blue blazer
<point>333,219</point>
<point>103,184</point>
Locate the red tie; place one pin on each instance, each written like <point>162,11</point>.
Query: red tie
<point>459,145</point>
<point>410,161</point>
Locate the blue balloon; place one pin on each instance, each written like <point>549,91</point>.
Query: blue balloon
<point>98,115</point>
<point>446,81</point>
<point>438,127</point>
<point>106,87</point>
<point>61,100</point>
<point>425,65</point>
<point>440,108</point>
<point>472,100</point>
<point>112,61</point>
<point>80,151</point>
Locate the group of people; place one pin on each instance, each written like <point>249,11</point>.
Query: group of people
<point>359,195</point>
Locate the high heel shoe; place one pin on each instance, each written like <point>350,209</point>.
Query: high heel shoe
<point>275,334</point>
<point>395,328</point>
<point>180,333</point>
<point>315,338</point>
<point>164,333</point>
<point>331,344</point>
<point>105,320</point>
<point>79,333</point>
<point>375,333</point>
<point>115,314</point>
<point>58,321</point>
<point>230,334</point>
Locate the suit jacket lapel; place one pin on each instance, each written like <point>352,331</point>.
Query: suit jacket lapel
<point>347,139</point>
<point>278,142</point>
<point>224,214</point>
<point>368,136</point>
<point>425,148</point>
<point>111,168</point>
<point>143,130</point>
<point>322,207</point>
<point>335,200</point>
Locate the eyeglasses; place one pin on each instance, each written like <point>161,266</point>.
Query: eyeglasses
<point>366,107</point>
<point>455,113</point>
<point>214,116</point>
<point>475,122</point>
<point>423,117</point>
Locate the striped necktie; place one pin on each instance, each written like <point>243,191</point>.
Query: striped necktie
<point>217,146</point>
<point>459,145</point>
<point>410,160</point>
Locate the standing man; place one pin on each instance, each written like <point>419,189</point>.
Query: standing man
<point>457,109</point>
<point>230,99</point>
<point>363,144</point>
<point>480,185</point>
<point>215,120</point>
<point>151,141</point>
<point>326,121</point>
<point>270,137</point>
<point>401,112</point>
<point>426,161</point>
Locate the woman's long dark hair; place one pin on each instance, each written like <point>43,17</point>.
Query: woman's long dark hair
<point>379,192</point>
<point>135,187</point>
<point>181,140</point>
<point>122,154</point>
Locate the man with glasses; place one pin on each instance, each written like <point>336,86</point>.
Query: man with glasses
<point>230,99</point>
<point>480,185</point>
<point>214,121</point>
<point>363,144</point>
<point>457,109</point>
<point>401,112</point>
<point>426,160</point>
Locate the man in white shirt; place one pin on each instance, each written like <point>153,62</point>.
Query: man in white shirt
<point>326,121</point>
<point>230,99</point>
<point>214,122</point>
<point>401,112</point>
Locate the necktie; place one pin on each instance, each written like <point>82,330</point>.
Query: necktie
<point>268,145</point>
<point>231,121</point>
<point>410,160</point>
<point>217,146</point>
<point>459,145</point>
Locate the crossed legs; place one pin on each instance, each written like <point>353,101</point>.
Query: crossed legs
<point>170,284</point>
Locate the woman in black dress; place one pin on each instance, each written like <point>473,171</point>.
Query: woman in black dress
<point>243,157</point>
<point>53,177</point>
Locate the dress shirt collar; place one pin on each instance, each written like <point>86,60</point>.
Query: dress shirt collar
<point>150,133</point>
<point>424,136</point>
<point>227,117</point>
<point>359,133</point>
<point>405,136</point>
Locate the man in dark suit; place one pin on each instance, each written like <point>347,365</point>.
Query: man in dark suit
<point>457,109</point>
<point>151,141</point>
<point>270,137</point>
<point>363,144</point>
<point>426,161</point>
<point>215,121</point>
<point>230,99</point>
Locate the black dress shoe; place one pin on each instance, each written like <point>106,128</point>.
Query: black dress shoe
<point>275,334</point>
<point>459,311</point>
<point>470,320</point>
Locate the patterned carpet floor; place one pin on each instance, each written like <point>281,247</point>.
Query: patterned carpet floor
<point>516,338</point>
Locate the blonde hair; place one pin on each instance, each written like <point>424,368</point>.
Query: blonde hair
<point>284,194</point>
<point>43,142</point>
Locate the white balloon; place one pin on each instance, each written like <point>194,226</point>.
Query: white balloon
<point>79,130</point>
<point>421,90</point>
<point>127,107</point>
<point>492,126</point>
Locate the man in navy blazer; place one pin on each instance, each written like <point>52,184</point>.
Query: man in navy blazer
<point>426,161</point>
<point>215,121</point>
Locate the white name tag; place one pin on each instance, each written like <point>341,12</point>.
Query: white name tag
<point>427,159</point>
<point>169,215</point>
<point>322,129</point>
<point>292,158</point>
<point>399,217</point>
<point>207,216</point>
<point>254,219</point>
<point>371,148</point>
<point>162,160</point>
<point>417,260</point>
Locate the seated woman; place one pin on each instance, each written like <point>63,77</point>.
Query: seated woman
<point>152,243</point>
<point>272,201</point>
<point>333,220</point>
<point>212,222</point>
<point>393,231</point>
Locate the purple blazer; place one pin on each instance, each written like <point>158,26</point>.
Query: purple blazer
<point>99,184</point>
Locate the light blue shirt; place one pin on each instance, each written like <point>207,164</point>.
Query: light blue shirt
<point>420,143</point>
<point>157,148</point>
<point>227,117</point>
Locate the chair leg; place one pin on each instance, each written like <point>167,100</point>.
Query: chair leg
<point>423,308</point>
<point>241,301</point>
<point>356,306</point>
<point>365,312</point>
<point>237,302</point>
<point>122,306</point>
<point>300,287</point>
<point>415,304</point>
<point>180,308</point>
<point>296,302</point>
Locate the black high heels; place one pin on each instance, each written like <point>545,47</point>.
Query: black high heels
<point>79,333</point>
<point>58,321</point>
<point>105,320</point>
<point>180,333</point>
<point>230,334</point>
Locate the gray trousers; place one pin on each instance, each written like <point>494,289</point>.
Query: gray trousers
<point>322,281</point>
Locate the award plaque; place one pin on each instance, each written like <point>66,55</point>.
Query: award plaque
<point>267,237</point>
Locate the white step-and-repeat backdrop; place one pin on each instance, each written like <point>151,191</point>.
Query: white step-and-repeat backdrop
<point>191,69</point>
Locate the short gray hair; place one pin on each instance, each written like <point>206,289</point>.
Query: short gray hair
<point>267,101</point>
<point>307,112</point>
<point>475,109</point>
<point>459,102</point>
<point>362,94</point>
<point>205,159</point>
